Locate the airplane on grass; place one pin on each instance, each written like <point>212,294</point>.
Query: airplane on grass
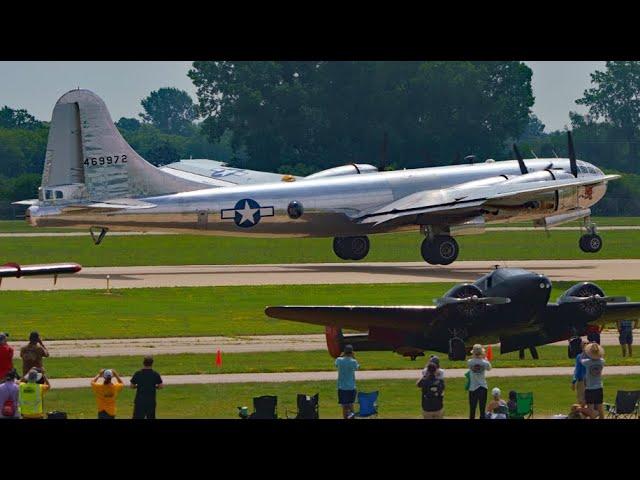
<point>14,270</point>
<point>93,179</point>
<point>507,305</point>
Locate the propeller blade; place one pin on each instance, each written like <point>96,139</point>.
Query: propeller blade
<point>523,167</point>
<point>592,297</point>
<point>572,156</point>
<point>473,299</point>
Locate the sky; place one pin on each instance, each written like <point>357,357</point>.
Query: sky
<point>36,86</point>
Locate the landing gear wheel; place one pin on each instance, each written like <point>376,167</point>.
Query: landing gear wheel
<point>340,248</point>
<point>351,248</point>
<point>442,250</point>
<point>590,243</point>
<point>359,247</point>
<point>456,349</point>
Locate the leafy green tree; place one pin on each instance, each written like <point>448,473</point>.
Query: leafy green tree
<point>171,110</point>
<point>323,114</point>
<point>10,118</point>
<point>128,124</point>
<point>615,98</point>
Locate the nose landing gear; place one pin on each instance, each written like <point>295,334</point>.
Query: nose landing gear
<point>590,242</point>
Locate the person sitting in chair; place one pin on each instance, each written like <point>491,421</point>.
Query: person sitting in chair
<point>497,408</point>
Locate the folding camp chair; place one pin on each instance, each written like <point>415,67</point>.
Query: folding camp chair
<point>626,406</point>
<point>368,403</point>
<point>524,406</point>
<point>265,408</point>
<point>308,407</point>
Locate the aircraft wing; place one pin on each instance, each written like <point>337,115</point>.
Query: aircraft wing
<point>461,197</point>
<point>619,311</point>
<point>406,318</point>
<point>218,174</point>
<point>15,270</point>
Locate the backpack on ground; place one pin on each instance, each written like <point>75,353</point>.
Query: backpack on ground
<point>55,415</point>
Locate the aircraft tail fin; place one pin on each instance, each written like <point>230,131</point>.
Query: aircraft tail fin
<point>88,159</point>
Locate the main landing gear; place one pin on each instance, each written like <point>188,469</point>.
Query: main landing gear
<point>351,248</point>
<point>590,242</point>
<point>439,250</point>
<point>457,349</point>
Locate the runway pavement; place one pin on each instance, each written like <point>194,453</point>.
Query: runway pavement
<point>321,273</point>
<point>177,345</point>
<point>222,378</point>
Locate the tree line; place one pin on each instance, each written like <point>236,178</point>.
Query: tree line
<point>300,117</point>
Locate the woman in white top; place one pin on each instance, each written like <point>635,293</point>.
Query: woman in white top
<point>478,365</point>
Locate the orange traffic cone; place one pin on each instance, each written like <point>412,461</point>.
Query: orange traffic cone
<point>219,358</point>
<point>489,353</point>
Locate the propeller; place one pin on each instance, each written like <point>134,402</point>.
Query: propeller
<point>572,299</point>
<point>472,299</point>
<point>523,167</point>
<point>572,156</point>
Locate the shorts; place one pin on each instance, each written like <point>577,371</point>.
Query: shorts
<point>436,414</point>
<point>346,397</point>
<point>593,397</point>
<point>626,338</point>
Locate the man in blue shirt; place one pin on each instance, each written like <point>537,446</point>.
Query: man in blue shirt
<point>625,329</point>
<point>347,366</point>
<point>579,372</point>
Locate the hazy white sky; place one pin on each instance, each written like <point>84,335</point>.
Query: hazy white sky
<point>37,85</point>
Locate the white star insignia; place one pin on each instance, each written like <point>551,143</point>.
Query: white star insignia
<point>247,213</point>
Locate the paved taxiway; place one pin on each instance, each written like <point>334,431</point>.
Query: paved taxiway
<point>222,378</point>
<point>176,345</point>
<point>321,273</point>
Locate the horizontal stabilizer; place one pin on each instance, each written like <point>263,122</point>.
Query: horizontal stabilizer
<point>33,201</point>
<point>118,204</point>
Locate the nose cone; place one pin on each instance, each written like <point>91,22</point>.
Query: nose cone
<point>541,287</point>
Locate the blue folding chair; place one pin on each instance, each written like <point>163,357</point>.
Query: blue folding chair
<point>368,403</point>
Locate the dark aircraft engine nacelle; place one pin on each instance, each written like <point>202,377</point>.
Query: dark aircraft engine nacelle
<point>585,295</point>
<point>466,290</point>
<point>351,169</point>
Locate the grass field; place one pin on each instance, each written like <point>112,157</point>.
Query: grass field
<point>398,398</point>
<point>201,311</point>
<point>291,361</point>
<point>202,250</point>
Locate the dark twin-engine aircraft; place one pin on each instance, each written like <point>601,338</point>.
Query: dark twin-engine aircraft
<point>507,305</point>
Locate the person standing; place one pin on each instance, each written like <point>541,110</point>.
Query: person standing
<point>9,396</point>
<point>6,356</point>
<point>432,387</point>
<point>146,382</point>
<point>577,383</point>
<point>347,366</point>
<point>106,393</point>
<point>32,353</point>
<point>31,395</point>
<point>593,361</point>
<point>625,331</point>
<point>439,372</point>
<point>478,366</point>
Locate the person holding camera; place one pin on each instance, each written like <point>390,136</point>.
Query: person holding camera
<point>33,353</point>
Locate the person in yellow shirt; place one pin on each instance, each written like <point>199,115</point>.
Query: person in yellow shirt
<point>31,395</point>
<point>106,393</point>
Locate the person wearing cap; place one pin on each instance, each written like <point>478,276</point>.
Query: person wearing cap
<point>478,366</point>
<point>347,366</point>
<point>593,362</point>
<point>577,383</point>
<point>31,395</point>
<point>6,356</point>
<point>497,408</point>
<point>432,392</point>
<point>32,353</point>
<point>440,371</point>
<point>146,383</point>
<point>106,393</point>
<point>9,396</point>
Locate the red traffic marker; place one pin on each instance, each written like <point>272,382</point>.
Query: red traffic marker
<point>219,358</point>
